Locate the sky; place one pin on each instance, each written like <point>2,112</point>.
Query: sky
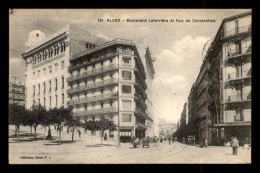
<point>177,46</point>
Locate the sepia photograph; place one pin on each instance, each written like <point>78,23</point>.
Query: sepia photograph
<point>129,86</point>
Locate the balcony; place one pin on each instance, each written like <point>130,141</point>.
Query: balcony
<point>92,99</point>
<point>140,112</point>
<point>93,60</point>
<point>237,54</point>
<point>141,100</point>
<point>141,91</point>
<point>233,77</point>
<point>239,98</point>
<point>93,85</point>
<point>237,31</point>
<point>93,72</point>
<point>96,111</point>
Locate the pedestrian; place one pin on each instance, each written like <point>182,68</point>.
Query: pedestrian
<point>172,140</point>
<point>169,140</point>
<point>206,142</point>
<point>79,133</point>
<point>54,127</point>
<point>49,134</point>
<point>235,145</point>
<point>68,130</point>
<point>105,137</point>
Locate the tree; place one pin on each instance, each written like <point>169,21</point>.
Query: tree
<point>102,125</point>
<point>72,122</point>
<point>36,116</point>
<point>17,114</point>
<point>59,116</point>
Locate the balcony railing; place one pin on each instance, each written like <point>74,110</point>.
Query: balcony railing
<point>96,111</point>
<point>140,99</point>
<point>92,99</point>
<point>238,52</point>
<point>93,72</point>
<point>239,30</point>
<point>93,60</point>
<point>93,85</point>
<point>139,111</point>
<point>245,74</point>
<point>238,98</point>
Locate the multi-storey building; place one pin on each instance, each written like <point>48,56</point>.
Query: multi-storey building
<point>47,60</point>
<point>16,91</point>
<point>235,69</point>
<point>109,81</point>
<point>223,86</point>
<point>149,71</point>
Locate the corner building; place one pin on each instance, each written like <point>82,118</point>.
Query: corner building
<point>109,81</point>
<point>47,60</point>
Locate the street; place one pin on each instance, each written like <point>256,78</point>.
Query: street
<point>88,150</point>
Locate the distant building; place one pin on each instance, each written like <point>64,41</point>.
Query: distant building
<point>16,91</point>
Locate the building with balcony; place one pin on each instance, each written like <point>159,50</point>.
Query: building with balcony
<point>109,81</point>
<point>236,77</point>
<point>221,94</point>
<point>16,91</point>
<point>47,61</point>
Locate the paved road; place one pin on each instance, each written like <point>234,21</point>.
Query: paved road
<point>82,151</point>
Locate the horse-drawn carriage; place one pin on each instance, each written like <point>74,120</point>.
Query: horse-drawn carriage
<point>145,142</point>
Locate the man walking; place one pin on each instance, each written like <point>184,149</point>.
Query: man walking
<point>206,142</point>
<point>79,134</point>
<point>105,138</point>
<point>169,140</point>
<point>235,145</point>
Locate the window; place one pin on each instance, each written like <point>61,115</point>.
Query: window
<point>62,98</point>
<point>39,88</point>
<point>126,75</point>
<point>56,84</point>
<point>44,71</point>
<point>56,67</point>
<point>86,45</point>
<point>56,97</point>
<point>101,91</point>
<point>33,89</point>
<point>62,65</point>
<point>33,75</point>
<point>126,60</point>
<point>50,68</point>
<point>126,89</point>
<point>101,104</point>
<point>50,101</point>
<point>39,101</point>
<point>111,103</point>
<point>111,60</point>
<point>127,104</point>
<point>50,86</point>
<point>39,72</point>
<point>62,84</point>
<point>44,87</point>
<point>126,117</point>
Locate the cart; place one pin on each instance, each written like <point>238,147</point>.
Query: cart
<point>146,142</point>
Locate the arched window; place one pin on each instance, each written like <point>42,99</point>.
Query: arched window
<point>64,46</point>
<point>61,45</point>
<point>58,49</point>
